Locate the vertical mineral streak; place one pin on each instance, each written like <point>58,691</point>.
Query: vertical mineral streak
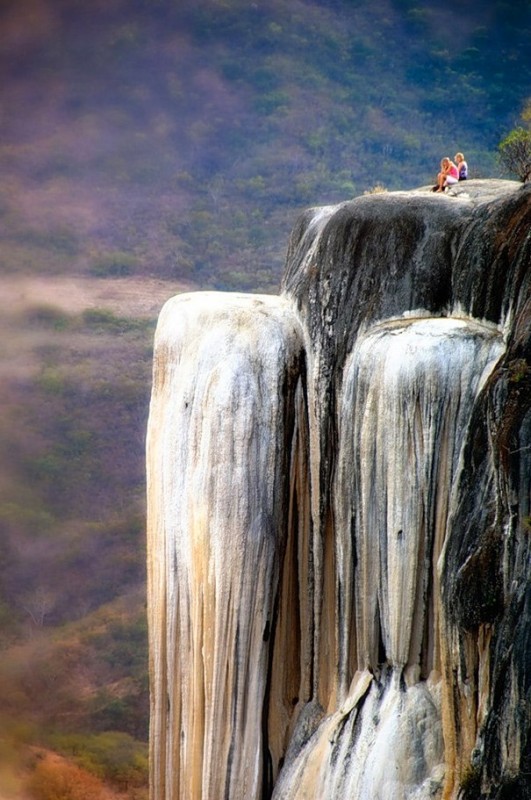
<point>408,396</point>
<point>219,438</point>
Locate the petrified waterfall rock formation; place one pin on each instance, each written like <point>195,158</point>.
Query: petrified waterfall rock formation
<point>339,513</point>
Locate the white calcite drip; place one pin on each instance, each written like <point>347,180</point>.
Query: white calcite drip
<point>218,456</point>
<point>226,491</point>
<point>408,394</point>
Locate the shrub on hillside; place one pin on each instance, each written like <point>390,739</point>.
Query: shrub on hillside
<point>113,756</point>
<point>103,320</point>
<point>59,780</point>
<point>49,317</point>
<point>114,265</point>
<point>515,153</point>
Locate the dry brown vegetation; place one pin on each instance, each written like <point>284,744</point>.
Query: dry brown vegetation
<point>38,773</point>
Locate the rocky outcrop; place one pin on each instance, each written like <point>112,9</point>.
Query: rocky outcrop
<point>339,513</point>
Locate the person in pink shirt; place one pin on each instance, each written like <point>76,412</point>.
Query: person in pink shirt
<point>448,175</point>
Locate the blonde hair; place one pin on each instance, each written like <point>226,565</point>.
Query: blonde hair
<point>459,155</point>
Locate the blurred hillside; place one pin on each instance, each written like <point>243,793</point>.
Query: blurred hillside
<point>147,146</point>
<point>181,139</point>
<point>75,369</point>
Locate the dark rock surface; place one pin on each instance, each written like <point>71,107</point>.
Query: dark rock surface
<point>465,252</point>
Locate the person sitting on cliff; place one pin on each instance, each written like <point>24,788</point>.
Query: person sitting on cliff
<point>447,176</point>
<point>462,166</point>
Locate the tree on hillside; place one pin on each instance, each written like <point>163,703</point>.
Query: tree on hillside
<point>515,150</point>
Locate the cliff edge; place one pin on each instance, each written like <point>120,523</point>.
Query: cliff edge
<point>339,513</point>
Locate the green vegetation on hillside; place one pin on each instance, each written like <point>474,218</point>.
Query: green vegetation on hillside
<point>182,139</point>
<point>73,635</point>
<point>515,149</point>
